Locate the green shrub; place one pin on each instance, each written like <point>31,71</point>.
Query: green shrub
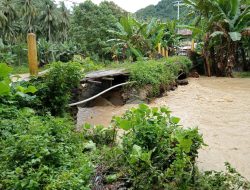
<point>179,63</point>
<point>99,134</point>
<point>158,150</point>
<point>88,64</point>
<point>10,91</point>
<point>55,89</point>
<point>223,180</point>
<point>5,81</point>
<point>153,73</point>
<point>158,72</point>
<point>242,74</point>
<point>40,152</point>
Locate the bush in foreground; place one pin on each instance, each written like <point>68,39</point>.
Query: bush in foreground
<point>40,152</point>
<point>155,152</point>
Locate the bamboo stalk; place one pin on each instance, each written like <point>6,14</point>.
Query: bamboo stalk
<point>163,52</point>
<point>166,52</point>
<point>32,54</point>
<point>159,48</point>
<point>192,46</point>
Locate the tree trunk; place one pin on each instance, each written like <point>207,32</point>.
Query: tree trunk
<point>244,60</point>
<point>214,65</point>
<point>206,55</point>
<point>231,59</point>
<point>49,33</point>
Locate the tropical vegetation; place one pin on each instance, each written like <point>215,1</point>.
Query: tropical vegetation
<point>145,148</point>
<point>224,25</point>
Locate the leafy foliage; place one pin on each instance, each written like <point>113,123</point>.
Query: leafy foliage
<point>99,135</point>
<point>157,147</point>
<point>135,40</point>
<point>11,92</point>
<point>230,179</point>
<point>158,73</point>
<point>54,90</point>
<point>156,152</point>
<point>40,152</point>
<point>99,20</point>
<point>88,64</point>
<point>224,22</point>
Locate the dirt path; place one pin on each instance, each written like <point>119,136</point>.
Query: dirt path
<point>220,107</point>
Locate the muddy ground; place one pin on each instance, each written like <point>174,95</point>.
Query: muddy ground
<point>220,107</point>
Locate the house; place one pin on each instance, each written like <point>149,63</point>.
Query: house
<point>185,42</point>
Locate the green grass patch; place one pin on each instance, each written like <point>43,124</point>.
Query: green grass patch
<point>158,72</point>
<point>242,74</point>
<point>22,69</point>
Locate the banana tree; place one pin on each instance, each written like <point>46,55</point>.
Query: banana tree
<point>139,39</point>
<point>225,22</point>
<point>128,37</point>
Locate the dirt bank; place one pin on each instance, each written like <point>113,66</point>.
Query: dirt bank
<point>220,107</point>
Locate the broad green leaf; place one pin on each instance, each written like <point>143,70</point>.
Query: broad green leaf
<point>235,36</point>
<point>234,7</point>
<point>125,125</point>
<point>20,89</point>
<point>87,126</point>
<point>175,120</point>
<point>4,88</point>
<point>185,144</point>
<point>30,89</point>
<point>5,70</point>
<point>143,107</point>
<point>27,112</point>
<point>137,150</point>
<point>165,110</point>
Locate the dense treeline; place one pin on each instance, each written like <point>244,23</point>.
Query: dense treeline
<point>45,18</point>
<point>60,32</point>
<point>91,24</point>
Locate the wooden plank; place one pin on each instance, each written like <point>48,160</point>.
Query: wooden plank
<point>95,82</point>
<point>106,73</point>
<point>108,78</point>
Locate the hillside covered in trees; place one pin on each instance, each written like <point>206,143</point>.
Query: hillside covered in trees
<point>164,10</point>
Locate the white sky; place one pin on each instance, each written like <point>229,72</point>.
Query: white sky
<point>128,5</point>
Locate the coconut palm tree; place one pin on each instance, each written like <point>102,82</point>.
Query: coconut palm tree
<point>48,18</point>
<point>8,15</point>
<point>64,21</point>
<point>29,12</point>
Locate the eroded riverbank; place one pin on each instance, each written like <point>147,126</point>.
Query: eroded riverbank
<point>220,107</point>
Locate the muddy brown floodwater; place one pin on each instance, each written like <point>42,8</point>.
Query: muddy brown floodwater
<point>220,107</point>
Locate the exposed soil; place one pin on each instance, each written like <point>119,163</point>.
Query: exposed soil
<point>220,107</point>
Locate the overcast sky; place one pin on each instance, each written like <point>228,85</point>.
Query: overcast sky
<point>128,5</point>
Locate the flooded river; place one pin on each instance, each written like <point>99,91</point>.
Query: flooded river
<point>220,107</point>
